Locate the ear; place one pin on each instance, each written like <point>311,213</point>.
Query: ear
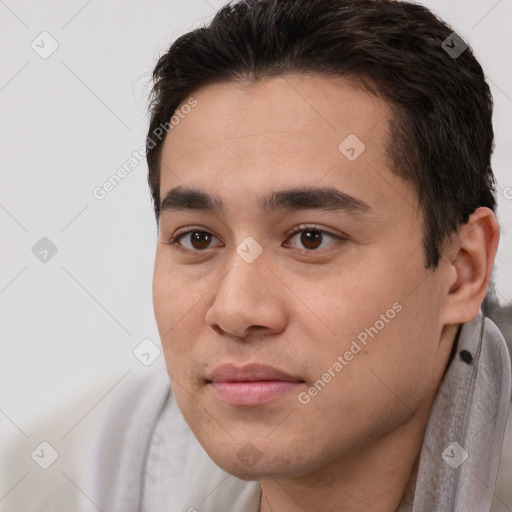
<point>470,261</point>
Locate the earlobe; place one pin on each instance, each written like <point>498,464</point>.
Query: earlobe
<point>471,266</point>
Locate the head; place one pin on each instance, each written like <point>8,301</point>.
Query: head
<point>325,202</point>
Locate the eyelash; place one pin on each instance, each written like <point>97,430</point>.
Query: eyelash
<point>174,240</point>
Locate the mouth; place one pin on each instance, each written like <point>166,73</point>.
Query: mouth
<point>251,385</point>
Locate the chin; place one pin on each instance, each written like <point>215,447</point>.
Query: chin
<point>246,461</point>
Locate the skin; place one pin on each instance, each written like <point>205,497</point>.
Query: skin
<point>297,307</point>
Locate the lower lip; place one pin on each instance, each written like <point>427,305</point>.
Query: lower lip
<point>252,393</point>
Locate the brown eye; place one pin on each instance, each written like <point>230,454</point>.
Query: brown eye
<point>311,239</point>
<point>200,239</point>
<point>194,240</point>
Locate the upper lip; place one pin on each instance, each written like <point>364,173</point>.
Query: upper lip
<point>249,373</point>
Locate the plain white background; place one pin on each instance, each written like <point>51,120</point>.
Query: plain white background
<point>68,122</point>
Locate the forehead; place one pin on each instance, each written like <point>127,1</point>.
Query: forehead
<point>279,132</point>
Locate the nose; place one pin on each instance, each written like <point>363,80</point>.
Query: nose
<point>248,301</point>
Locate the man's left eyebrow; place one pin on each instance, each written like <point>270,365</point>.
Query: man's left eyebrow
<point>295,199</point>
<point>317,198</point>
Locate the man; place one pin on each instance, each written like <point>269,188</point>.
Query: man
<point>326,227</point>
<point>326,236</point>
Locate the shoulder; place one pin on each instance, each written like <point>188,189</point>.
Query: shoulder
<point>75,456</point>
<point>502,497</point>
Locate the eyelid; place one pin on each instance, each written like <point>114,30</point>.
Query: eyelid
<point>174,239</point>
<point>312,227</point>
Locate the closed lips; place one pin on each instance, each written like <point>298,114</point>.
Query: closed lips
<point>250,373</point>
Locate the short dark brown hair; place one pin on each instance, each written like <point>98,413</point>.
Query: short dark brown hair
<point>441,134</point>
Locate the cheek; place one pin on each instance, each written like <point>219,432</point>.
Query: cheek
<point>170,306</point>
<point>163,296</point>
<point>399,366</point>
<point>379,388</point>
<point>387,338</point>
<point>171,292</point>
<point>179,305</point>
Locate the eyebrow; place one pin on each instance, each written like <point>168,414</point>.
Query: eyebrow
<point>301,198</point>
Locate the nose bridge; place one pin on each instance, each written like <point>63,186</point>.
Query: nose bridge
<point>248,267</point>
<point>242,299</point>
<point>246,279</point>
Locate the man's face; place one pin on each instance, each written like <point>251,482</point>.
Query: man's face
<point>289,284</point>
